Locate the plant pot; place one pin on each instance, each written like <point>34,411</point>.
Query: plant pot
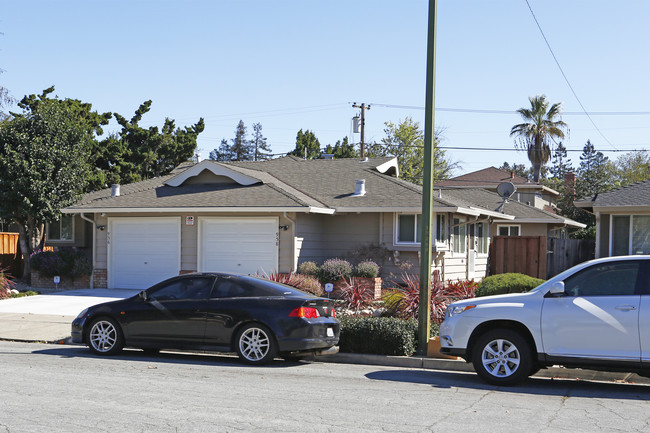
<point>433,349</point>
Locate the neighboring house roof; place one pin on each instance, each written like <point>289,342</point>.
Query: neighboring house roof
<point>490,178</point>
<point>523,213</point>
<point>292,184</point>
<point>630,197</point>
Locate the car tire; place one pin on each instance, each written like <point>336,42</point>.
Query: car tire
<point>502,357</point>
<point>255,344</point>
<point>105,336</point>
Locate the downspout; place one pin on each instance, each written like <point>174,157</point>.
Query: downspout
<point>92,275</point>
<point>293,242</point>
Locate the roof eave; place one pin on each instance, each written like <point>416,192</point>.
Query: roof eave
<point>197,209</point>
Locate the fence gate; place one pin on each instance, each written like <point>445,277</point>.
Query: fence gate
<point>520,254</point>
<point>565,253</point>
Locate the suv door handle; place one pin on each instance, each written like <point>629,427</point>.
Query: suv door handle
<point>625,307</point>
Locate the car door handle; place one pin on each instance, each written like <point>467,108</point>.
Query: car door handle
<point>625,307</point>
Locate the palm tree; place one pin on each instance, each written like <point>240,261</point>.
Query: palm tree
<point>539,131</point>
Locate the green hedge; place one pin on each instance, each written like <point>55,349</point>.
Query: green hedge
<point>377,335</point>
<point>507,283</point>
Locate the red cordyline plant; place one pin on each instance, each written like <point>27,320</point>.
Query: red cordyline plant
<point>356,296</point>
<point>404,300</point>
<point>6,283</point>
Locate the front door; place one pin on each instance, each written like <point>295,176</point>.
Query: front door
<point>599,315</point>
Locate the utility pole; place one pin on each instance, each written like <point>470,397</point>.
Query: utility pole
<point>363,108</point>
<point>426,237</point>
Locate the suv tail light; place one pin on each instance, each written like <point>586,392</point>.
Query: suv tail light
<point>305,312</point>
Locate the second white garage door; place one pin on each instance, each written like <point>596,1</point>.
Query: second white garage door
<point>239,245</point>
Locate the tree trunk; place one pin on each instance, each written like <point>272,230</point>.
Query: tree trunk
<point>30,238</point>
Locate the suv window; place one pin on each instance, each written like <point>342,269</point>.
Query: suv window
<point>606,279</point>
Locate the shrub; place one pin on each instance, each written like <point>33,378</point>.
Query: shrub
<point>335,269</point>
<point>507,283</point>
<point>367,269</point>
<point>309,268</point>
<point>7,284</point>
<point>67,262</point>
<point>355,295</point>
<point>378,335</point>
<point>306,283</point>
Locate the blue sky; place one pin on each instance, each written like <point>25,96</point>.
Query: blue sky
<point>293,65</point>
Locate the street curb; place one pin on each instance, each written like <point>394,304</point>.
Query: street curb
<point>554,372</point>
<point>66,340</point>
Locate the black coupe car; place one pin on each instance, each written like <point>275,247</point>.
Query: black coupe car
<point>258,319</point>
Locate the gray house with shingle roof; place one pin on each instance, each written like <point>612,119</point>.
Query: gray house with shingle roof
<point>622,220</point>
<point>266,216</point>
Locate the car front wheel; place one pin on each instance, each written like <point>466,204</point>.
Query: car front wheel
<point>255,344</point>
<point>105,336</point>
<point>502,357</point>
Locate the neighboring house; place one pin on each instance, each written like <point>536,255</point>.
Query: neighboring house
<point>266,216</point>
<point>622,220</point>
<point>528,192</point>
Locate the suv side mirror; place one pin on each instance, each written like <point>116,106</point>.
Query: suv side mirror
<point>557,289</point>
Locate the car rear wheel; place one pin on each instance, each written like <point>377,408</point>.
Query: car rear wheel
<point>502,357</point>
<point>105,336</point>
<point>255,344</point>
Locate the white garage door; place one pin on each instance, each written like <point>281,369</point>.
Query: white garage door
<point>143,252</point>
<point>239,245</point>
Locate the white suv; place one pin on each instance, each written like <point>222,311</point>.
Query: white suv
<point>595,315</point>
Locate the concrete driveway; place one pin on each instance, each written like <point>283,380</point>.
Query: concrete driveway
<point>48,317</point>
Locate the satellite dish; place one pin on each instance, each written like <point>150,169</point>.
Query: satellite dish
<point>506,189</point>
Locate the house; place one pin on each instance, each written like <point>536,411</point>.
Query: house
<point>265,216</point>
<point>622,219</point>
<point>533,194</point>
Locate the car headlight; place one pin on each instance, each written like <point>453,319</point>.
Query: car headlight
<point>457,309</point>
<point>82,314</point>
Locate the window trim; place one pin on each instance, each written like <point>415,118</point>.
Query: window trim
<point>434,223</point>
<point>485,237</point>
<point>509,227</point>
<point>47,230</point>
<point>630,239</point>
<point>462,222</point>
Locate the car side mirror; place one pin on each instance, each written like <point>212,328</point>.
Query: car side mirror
<point>557,289</point>
<point>143,295</point>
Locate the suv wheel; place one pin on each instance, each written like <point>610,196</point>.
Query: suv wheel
<point>502,357</point>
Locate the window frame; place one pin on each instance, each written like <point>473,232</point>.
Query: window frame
<point>630,233</point>
<point>416,243</point>
<point>59,222</point>
<point>509,226</point>
<point>459,224</point>
<point>483,242</point>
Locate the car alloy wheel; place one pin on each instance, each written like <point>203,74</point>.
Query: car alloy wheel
<point>256,344</point>
<point>502,357</point>
<point>105,337</point>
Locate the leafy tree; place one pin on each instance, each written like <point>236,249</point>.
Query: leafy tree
<point>405,140</point>
<point>240,149</point>
<point>44,165</point>
<point>5,100</point>
<point>261,149</point>
<point>631,168</point>
<point>307,145</point>
<point>538,131</point>
<point>138,153</point>
<point>518,169</point>
<point>342,149</point>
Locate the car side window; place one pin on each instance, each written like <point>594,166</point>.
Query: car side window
<point>234,287</point>
<point>606,279</point>
<point>183,288</point>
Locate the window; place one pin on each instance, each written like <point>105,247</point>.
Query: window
<point>183,288</point>
<point>245,287</point>
<point>460,235</point>
<point>482,238</point>
<point>508,230</point>
<point>441,228</point>
<point>61,230</point>
<point>608,279</point>
<point>630,234</point>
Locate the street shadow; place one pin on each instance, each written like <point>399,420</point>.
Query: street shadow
<point>219,359</point>
<point>532,386</point>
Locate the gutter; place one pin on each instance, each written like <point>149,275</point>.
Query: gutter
<point>232,209</point>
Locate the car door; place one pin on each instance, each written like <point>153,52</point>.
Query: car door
<point>172,314</point>
<point>598,315</point>
<point>644,327</point>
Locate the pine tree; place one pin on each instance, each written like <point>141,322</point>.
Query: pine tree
<point>261,149</point>
<point>592,172</point>
<point>342,149</point>
<point>241,149</point>
<point>307,145</point>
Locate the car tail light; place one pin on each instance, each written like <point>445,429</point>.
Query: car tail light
<point>332,312</point>
<point>305,312</point>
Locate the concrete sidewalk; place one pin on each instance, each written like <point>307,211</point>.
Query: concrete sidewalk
<point>47,318</point>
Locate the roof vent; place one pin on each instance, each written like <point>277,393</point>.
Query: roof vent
<point>115,190</point>
<point>327,155</point>
<point>361,188</point>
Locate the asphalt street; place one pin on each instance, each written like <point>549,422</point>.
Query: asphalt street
<point>61,388</point>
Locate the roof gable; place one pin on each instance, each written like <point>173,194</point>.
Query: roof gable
<point>200,173</point>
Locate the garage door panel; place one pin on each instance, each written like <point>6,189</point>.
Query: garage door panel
<point>239,245</point>
<point>144,252</point>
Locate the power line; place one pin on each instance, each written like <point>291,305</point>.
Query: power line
<point>488,111</point>
<point>564,75</point>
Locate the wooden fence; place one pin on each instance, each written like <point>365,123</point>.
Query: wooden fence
<point>10,256</point>
<point>536,256</point>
